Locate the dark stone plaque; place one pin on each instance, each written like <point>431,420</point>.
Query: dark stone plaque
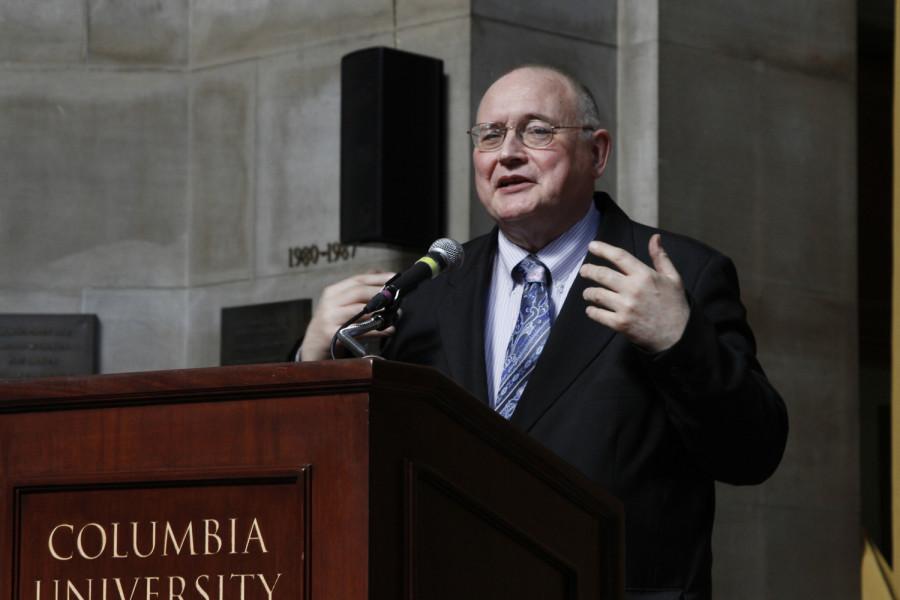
<point>48,345</point>
<point>262,333</point>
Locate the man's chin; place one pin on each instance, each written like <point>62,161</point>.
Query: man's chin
<point>523,222</point>
<point>513,206</point>
<point>515,217</point>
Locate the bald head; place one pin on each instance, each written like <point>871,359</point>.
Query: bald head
<point>585,103</point>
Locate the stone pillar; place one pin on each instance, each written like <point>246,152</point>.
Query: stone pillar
<point>638,116</point>
<point>755,155</point>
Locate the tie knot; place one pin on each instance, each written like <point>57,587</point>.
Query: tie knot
<point>531,270</point>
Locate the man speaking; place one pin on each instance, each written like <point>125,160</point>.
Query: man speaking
<point>625,352</point>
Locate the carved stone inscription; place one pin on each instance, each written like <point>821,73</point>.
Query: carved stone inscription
<point>48,345</point>
<point>217,541</point>
<point>263,333</point>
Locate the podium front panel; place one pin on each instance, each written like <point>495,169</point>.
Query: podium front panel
<point>190,538</point>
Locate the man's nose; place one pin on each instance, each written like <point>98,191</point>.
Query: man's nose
<point>512,150</point>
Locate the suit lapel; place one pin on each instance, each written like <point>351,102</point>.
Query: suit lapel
<point>575,340</point>
<point>463,313</point>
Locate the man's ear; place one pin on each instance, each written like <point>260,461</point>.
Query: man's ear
<point>601,143</point>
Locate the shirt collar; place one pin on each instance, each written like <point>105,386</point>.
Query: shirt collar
<point>559,256</point>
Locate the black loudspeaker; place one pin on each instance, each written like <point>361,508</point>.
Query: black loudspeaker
<point>392,140</point>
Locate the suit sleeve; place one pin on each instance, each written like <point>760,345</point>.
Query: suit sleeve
<point>728,414</point>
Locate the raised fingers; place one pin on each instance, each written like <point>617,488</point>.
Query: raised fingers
<point>356,289</point>
<point>609,278</point>
<point>624,261</point>
<point>660,258</point>
<point>605,317</point>
<point>602,297</point>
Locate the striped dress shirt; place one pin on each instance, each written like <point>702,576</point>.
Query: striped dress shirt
<point>563,256</point>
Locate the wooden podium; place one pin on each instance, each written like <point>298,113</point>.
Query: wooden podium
<point>344,480</point>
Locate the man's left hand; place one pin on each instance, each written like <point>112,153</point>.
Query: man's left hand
<point>646,305</point>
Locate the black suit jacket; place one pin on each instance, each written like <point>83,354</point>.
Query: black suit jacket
<point>654,430</point>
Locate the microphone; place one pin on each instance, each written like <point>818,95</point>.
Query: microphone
<point>443,255</point>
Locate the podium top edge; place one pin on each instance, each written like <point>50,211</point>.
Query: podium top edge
<point>346,375</point>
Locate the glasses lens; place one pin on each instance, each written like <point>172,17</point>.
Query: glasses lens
<point>488,136</point>
<point>537,134</point>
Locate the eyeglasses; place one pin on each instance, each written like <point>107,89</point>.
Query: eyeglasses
<point>534,134</point>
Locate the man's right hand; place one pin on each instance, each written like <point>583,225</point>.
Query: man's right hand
<point>339,302</point>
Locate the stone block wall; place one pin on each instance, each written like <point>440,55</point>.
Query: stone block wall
<point>159,158</point>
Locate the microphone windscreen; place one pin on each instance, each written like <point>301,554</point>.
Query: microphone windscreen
<point>450,250</point>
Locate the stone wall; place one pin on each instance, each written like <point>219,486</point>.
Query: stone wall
<point>159,158</point>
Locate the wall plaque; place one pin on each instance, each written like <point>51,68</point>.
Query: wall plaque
<point>33,345</point>
<point>240,539</point>
<point>262,333</point>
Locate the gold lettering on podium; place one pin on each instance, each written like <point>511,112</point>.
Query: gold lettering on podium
<point>204,537</point>
<point>92,540</point>
<point>235,586</point>
<point>101,541</point>
<point>53,551</point>
<point>170,535</point>
<point>134,540</point>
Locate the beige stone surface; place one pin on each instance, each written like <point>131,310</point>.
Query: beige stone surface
<point>741,166</point>
<point>94,173</point>
<point>636,147</point>
<point>782,553</point>
<point>138,31</point>
<point>223,110</point>
<point>40,301</point>
<point>50,31</point>
<point>140,329</point>
<point>225,30</point>
<point>581,19</point>
<point>818,37</point>
<point>420,12</point>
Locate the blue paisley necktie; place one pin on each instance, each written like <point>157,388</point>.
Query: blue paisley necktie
<point>528,337</point>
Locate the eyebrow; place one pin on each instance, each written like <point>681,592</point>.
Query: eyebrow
<point>526,118</point>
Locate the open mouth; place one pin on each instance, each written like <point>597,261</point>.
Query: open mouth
<point>512,181</point>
